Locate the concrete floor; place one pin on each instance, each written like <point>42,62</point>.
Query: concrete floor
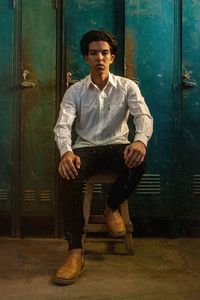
<point>160,269</point>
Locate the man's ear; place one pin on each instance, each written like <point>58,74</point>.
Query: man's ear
<point>86,58</point>
<point>112,58</point>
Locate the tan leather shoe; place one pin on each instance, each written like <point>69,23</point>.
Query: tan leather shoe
<point>115,223</point>
<point>71,269</point>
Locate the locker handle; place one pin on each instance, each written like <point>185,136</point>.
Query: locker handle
<point>27,83</point>
<point>187,82</point>
<point>69,80</point>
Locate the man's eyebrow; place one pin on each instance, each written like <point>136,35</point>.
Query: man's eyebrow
<point>97,50</point>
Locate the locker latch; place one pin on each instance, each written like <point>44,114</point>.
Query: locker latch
<point>27,83</point>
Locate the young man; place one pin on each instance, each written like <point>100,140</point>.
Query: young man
<point>101,104</point>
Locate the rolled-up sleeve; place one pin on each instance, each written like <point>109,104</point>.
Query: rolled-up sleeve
<point>62,129</point>
<point>141,116</point>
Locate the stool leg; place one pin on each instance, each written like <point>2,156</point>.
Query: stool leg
<point>128,240</point>
<point>86,208</point>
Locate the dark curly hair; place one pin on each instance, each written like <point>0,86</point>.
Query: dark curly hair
<point>98,35</point>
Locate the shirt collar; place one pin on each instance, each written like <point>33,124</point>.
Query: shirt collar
<point>111,80</point>
<point>89,81</point>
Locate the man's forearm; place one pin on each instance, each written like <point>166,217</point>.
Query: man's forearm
<point>144,129</point>
<point>63,139</point>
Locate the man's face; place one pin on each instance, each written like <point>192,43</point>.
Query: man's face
<point>99,57</point>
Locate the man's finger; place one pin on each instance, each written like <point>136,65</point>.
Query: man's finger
<point>63,172</point>
<point>70,169</point>
<point>132,155</point>
<point>126,152</point>
<point>78,162</point>
<point>60,171</point>
<point>136,162</point>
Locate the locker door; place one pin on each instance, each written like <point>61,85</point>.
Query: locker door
<point>190,109</point>
<point>7,115</point>
<point>38,103</point>
<point>150,43</point>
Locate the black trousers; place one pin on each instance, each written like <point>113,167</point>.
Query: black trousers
<point>94,159</point>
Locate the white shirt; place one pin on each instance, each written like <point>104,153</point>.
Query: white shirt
<point>101,116</point>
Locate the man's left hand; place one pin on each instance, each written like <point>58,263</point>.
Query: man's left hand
<point>134,154</point>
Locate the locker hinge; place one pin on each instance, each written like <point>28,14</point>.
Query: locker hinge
<point>14,4</point>
<point>56,4</point>
<point>173,86</point>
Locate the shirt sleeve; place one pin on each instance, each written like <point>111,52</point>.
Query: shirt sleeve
<point>62,129</point>
<point>141,116</point>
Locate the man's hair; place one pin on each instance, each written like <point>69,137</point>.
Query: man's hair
<point>95,36</point>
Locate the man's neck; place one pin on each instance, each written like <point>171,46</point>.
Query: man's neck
<point>100,80</point>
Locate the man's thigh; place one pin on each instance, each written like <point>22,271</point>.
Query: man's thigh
<point>96,158</point>
<point>116,162</point>
<point>89,160</point>
<point>115,157</point>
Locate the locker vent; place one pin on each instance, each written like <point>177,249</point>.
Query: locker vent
<point>3,195</point>
<point>149,185</point>
<point>196,184</point>
<point>45,196</point>
<point>97,188</point>
<point>29,195</point>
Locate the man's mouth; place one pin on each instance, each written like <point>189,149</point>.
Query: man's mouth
<point>100,65</point>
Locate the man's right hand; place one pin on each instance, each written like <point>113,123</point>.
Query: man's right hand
<point>69,165</point>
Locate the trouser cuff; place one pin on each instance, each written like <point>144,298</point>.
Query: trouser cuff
<point>73,242</point>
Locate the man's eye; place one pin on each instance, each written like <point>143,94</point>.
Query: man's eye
<point>105,52</point>
<point>93,53</point>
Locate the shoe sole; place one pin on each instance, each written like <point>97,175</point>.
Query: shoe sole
<point>62,281</point>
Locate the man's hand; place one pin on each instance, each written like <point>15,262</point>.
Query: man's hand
<point>134,154</point>
<point>69,165</point>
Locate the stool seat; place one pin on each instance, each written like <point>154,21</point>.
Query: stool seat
<point>103,177</point>
<point>96,223</point>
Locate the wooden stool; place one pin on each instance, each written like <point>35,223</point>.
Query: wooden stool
<point>97,222</point>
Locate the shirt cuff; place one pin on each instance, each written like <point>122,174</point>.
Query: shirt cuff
<point>65,149</point>
<point>142,138</point>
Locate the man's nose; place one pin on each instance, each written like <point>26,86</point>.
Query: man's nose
<point>99,56</point>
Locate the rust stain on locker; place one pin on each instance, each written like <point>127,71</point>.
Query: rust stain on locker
<point>129,67</point>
